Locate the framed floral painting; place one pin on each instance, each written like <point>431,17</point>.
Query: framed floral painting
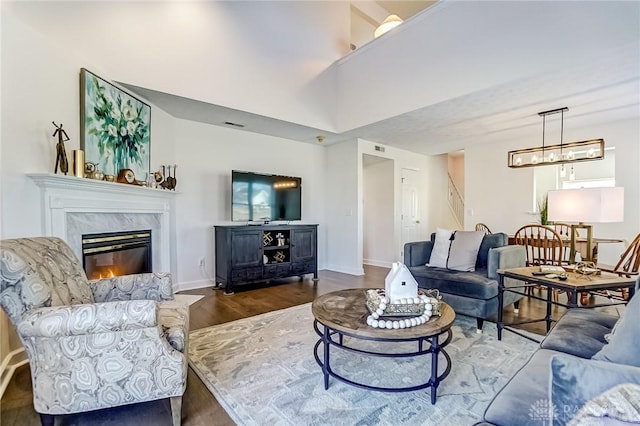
<point>115,126</point>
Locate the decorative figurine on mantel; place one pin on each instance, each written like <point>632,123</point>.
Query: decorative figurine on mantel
<point>169,181</point>
<point>61,153</point>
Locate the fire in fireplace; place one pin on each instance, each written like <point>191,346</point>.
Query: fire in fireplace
<point>116,253</point>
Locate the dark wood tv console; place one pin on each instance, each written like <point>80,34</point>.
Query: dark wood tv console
<point>261,253</point>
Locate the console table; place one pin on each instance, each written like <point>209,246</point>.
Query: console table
<point>259,253</point>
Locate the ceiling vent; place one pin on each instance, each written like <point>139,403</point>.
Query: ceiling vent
<point>229,123</point>
<point>379,148</point>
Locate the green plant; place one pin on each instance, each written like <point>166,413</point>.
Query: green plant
<point>543,208</point>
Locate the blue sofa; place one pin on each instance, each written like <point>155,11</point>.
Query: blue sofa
<point>469,293</point>
<point>573,365</point>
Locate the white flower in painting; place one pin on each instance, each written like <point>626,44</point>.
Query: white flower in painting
<point>131,127</point>
<point>115,112</point>
<point>123,131</point>
<point>128,111</point>
<point>113,130</point>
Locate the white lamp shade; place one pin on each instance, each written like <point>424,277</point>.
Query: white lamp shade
<point>587,205</point>
<point>392,21</point>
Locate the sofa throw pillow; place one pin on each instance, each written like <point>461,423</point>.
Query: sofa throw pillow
<point>464,250</point>
<point>621,403</point>
<point>440,251</point>
<point>624,343</point>
<point>574,381</point>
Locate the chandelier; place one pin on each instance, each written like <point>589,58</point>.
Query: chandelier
<point>571,152</point>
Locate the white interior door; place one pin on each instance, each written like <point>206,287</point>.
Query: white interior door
<point>410,207</point>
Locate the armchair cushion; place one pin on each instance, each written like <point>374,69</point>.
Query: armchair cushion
<point>151,286</point>
<point>88,372</point>
<point>89,318</point>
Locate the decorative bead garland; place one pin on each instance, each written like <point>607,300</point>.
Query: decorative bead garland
<point>374,321</point>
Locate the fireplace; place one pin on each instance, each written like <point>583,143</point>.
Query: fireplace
<point>116,253</point>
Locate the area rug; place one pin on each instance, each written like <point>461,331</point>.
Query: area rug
<point>262,371</point>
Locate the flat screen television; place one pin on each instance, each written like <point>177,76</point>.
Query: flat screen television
<point>264,197</point>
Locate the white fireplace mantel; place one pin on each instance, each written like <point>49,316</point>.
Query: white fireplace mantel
<point>73,205</point>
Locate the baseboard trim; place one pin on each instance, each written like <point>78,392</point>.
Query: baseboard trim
<point>381,263</point>
<point>192,285</point>
<point>345,270</point>
<point>7,368</point>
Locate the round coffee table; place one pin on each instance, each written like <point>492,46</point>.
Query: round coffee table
<point>344,313</point>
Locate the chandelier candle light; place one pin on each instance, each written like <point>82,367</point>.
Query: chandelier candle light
<point>572,152</point>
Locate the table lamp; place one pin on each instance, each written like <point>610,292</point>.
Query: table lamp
<point>592,205</point>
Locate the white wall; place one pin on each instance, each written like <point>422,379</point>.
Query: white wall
<point>378,212</point>
<point>40,82</point>
<point>503,198</point>
<point>456,48</point>
<point>343,208</point>
<point>263,57</point>
<point>345,197</point>
<point>548,178</point>
<point>31,98</point>
<point>206,155</point>
<point>433,181</point>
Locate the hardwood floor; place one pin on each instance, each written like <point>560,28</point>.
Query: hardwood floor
<point>199,406</point>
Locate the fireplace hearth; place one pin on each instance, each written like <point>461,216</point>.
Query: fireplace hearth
<point>116,253</point>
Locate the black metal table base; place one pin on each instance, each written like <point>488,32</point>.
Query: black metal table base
<point>572,296</point>
<point>434,348</point>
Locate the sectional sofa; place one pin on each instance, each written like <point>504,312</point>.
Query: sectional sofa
<point>586,371</point>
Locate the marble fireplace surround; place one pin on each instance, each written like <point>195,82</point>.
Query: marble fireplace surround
<point>73,206</point>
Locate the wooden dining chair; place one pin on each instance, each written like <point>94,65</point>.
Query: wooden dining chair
<point>543,246</point>
<point>484,228</point>
<point>564,230</point>
<point>628,265</point>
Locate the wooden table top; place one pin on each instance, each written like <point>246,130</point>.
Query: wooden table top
<point>346,311</point>
<point>574,280</point>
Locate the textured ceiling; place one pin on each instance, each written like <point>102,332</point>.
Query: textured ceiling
<point>610,91</point>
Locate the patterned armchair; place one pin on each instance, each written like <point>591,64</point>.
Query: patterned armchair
<point>92,344</point>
